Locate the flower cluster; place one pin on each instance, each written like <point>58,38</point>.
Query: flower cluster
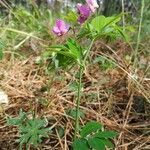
<point>84,11</point>
<point>60,27</point>
<point>92,5</point>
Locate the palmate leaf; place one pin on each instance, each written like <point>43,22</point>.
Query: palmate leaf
<point>70,49</point>
<point>44,132</point>
<point>93,138</point>
<point>98,23</point>
<point>84,32</point>
<point>62,52</point>
<point>80,144</point>
<point>17,120</point>
<point>101,22</point>
<point>89,128</point>
<point>36,122</point>
<point>107,143</point>
<point>107,27</point>
<point>71,17</point>
<point>122,33</point>
<point>64,61</point>
<point>66,54</point>
<point>33,131</point>
<point>74,48</point>
<point>106,134</point>
<point>112,20</point>
<point>24,138</point>
<point>96,144</point>
<point>100,144</point>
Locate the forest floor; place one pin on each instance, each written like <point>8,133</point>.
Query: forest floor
<point>112,95</point>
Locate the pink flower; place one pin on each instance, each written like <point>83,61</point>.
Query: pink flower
<point>60,27</point>
<point>92,4</point>
<point>84,12</point>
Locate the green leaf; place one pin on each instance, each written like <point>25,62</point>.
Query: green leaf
<point>105,62</point>
<point>2,47</point>
<point>57,47</point>
<point>61,132</point>
<point>1,54</point>
<point>17,120</point>
<point>98,23</point>
<point>112,20</point>
<point>106,134</point>
<point>33,131</point>
<point>107,143</point>
<point>24,138</point>
<point>89,128</point>
<point>71,50</point>
<point>105,26</point>
<point>72,113</point>
<point>71,17</point>
<point>63,61</point>
<point>80,144</point>
<point>96,144</point>
<point>117,28</point>
<point>83,33</point>
<point>68,54</point>
<point>74,48</point>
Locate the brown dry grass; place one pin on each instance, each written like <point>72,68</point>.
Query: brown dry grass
<point>124,109</point>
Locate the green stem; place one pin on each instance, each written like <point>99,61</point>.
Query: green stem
<point>123,17</point>
<point>139,33</point>
<point>88,51</point>
<point>79,90</point>
<point>78,101</point>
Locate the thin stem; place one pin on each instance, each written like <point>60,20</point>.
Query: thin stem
<point>123,18</point>
<point>88,51</point>
<point>79,90</point>
<point>139,33</point>
<point>78,101</point>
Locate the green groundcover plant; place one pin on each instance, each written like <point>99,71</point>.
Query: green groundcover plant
<point>31,130</point>
<point>92,136</point>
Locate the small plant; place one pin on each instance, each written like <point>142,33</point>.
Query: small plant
<point>93,137</point>
<point>105,63</point>
<point>73,52</point>
<point>31,130</point>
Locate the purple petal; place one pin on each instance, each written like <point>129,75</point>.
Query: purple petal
<point>60,23</point>
<point>60,27</point>
<point>93,9</point>
<point>82,19</point>
<point>92,4</point>
<point>83,10</point>
<point>56,30</point>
